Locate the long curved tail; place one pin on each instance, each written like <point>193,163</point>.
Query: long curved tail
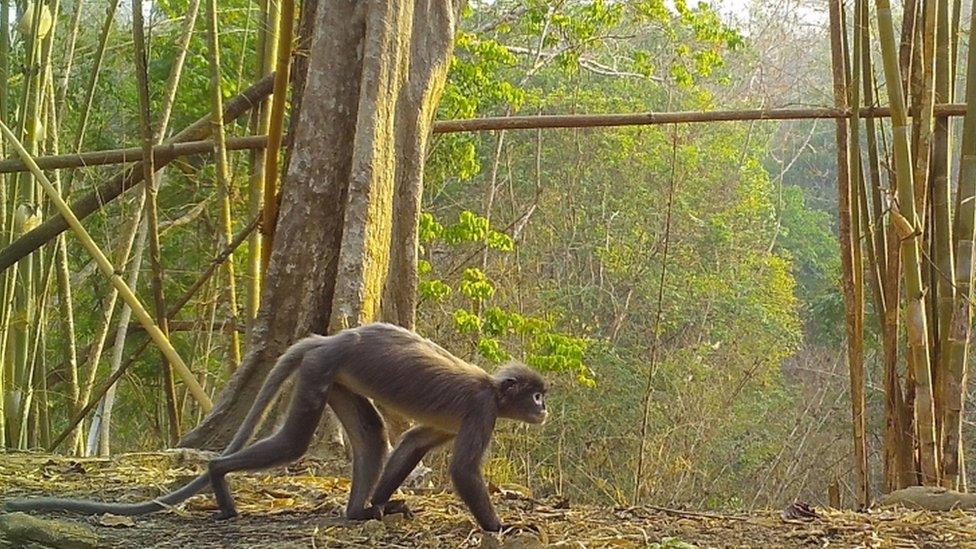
<point>286,365</point>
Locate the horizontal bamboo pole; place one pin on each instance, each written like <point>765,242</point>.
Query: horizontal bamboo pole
<point>174,150</point>
<point>131,154</point>
<point>658,118</point>
<point>109,271</point>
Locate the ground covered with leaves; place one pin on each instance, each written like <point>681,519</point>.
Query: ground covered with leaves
<point>302,507</point>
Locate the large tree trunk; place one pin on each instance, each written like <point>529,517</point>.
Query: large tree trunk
<point>375,73</point>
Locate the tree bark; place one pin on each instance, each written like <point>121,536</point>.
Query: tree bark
<point>375,73</point>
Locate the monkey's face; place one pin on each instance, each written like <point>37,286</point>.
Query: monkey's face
<point>523,399</point>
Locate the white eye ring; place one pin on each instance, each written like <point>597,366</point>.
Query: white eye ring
<point>537,397</point>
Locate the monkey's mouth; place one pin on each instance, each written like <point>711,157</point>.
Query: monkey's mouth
<point>540,418</point>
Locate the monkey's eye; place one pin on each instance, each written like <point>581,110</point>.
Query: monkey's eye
<point>538,398</point>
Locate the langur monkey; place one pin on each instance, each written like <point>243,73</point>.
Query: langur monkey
<point>448,398</point>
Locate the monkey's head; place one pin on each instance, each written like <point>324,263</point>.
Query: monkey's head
<point>521,393</point>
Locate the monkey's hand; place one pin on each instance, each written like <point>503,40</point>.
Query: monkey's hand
<point>397,506</point>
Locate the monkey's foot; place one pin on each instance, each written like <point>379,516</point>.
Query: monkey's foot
<point>367,513</point>
<point>225,514</point>
<point>397,506</point>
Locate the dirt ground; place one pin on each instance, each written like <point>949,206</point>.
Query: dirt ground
<point>302,507</point>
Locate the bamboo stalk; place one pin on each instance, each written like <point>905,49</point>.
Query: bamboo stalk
<point>109,271</point>
<point>926,102</point>
<point>223,174</point>
<point>853,306</point>
<point>959,329</point>
<point>66,310</point>
<point>906,45</point>
<point>260,124</point>
<point>152,219</point>
<point>858,212</point>
<point>4,309</point>
<point>276,129</point>
<point>25,303</point>
<point>916,321</point>
<point>941,215</point>
<point>4,77</point>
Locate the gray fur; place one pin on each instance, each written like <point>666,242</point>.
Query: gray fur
<point>446,396</point>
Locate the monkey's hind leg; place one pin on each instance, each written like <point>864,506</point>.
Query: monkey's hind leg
<point>285,445</point>
<point>367,436</point>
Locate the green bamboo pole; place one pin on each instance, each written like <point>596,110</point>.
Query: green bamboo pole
<point>276,130</point>
<point>959,330</point>
<point>261,122</point>
<point>4,237</point>
<point>223,175</point>
<point>906,218</point>
<point>109,271</point>
<point>30,128</point>
<point>66,310</point>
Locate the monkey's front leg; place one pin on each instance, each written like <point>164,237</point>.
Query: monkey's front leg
<point>413,446</point>
<point>469,448</point>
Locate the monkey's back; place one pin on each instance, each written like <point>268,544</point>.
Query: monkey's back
<point>408,373</point>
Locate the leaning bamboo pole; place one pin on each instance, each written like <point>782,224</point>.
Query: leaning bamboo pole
<point>906,219</point>
<point>959,329</point>
<point>223,174</point>
<point>132,154</point>
<point>110,272</point>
